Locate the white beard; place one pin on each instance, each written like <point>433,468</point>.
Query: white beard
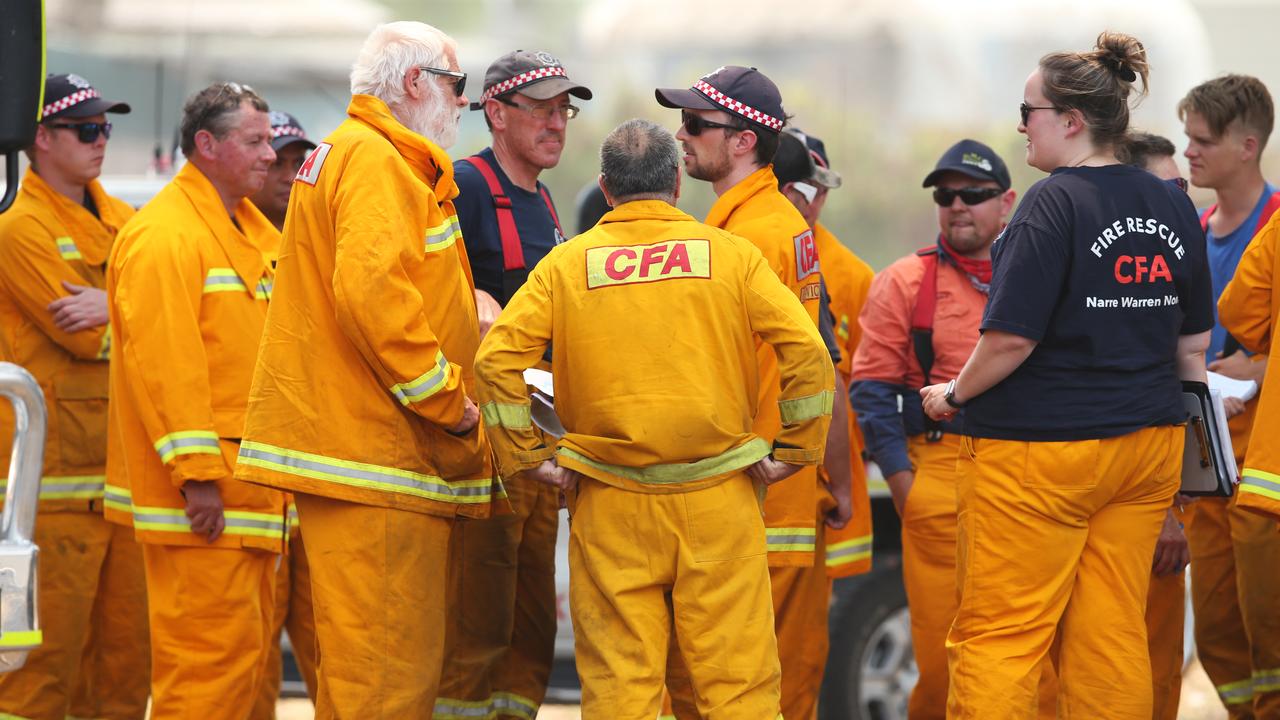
<point>431,117</point>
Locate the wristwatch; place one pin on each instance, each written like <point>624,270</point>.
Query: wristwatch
<point>950,395</point>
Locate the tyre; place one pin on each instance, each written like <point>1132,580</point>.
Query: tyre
<point>871,667</point>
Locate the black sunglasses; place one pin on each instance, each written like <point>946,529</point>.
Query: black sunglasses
<point>1025,110</point>
<point>459,86</point>
<point>695,124</point>
<point>969,196</point>
<point>88,132</point>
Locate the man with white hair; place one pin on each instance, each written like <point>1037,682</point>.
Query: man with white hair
<point>361,403</point>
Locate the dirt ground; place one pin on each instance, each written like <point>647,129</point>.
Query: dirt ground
<point>1199,702</point>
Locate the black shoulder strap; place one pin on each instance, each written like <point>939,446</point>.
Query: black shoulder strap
<point>922,328</point>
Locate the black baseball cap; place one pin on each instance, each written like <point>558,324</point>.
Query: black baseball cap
<point>286,130</point>
<point>534,73</point>
<point>737,90</point>
<point>68,95</point>
<point>795,162</point>
<point>972,158</point>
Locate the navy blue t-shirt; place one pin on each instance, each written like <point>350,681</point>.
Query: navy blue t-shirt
<point>1104,267</point>
<point>479,221</point>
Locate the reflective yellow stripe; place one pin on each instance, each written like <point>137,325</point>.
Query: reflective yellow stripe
<point>223,280</point>
<point>117,498</point>
<point>843,330</point>
<point>673,473</point>
<point>263,289</point>
<point>801,539</point>
<point>238,522</point>
<point>809,407</point>
<point>1260,482</point>
<point>506,415</point>
<point>187,442</point>
<point>67,248</point>
<point>1265,681</point>
<point>16,639</point>
<point>849,551</point>
<point>364,475</point>
<point>72,487</point>
<point>500,703</point>
<point>293,517</point>
<point>425,385</point>
<point>444,235</point>
<point>104,350</point>
<point>1237,692</point>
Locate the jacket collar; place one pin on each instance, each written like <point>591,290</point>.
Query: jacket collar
<point>92,235</point>
<point>760,181</point>
<point>645,210</point>
<point>428,160</point>
<point>249,247</point>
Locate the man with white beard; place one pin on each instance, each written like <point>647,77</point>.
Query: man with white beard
<point>362,401</point>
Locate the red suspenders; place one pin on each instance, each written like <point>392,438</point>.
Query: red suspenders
<point>512,252</point>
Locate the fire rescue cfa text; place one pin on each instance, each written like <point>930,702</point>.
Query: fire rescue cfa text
<point>1142,226</point>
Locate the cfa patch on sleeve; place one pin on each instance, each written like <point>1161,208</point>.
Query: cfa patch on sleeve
<point>806,255</point>
<point>309,173</point>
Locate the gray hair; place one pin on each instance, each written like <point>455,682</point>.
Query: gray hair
<point>212,109</point>
<point>640,160</point>
<point>390,51</point>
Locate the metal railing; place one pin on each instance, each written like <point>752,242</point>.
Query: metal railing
<point>19,619</point>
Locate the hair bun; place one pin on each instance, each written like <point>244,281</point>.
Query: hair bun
<point>1122,54</point>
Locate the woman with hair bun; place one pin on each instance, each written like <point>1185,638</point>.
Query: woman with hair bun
<point>1100,304</point>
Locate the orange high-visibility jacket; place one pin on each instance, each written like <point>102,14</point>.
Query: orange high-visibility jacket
<point>652,316</point>
<point>47,239</point>
<point>369,346</point>
<point>1249,309</point>
<point>189,292</point>
<point>754,209</point>
<point>848,281</point>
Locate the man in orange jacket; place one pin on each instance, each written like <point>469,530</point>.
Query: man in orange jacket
<point>54,243</point>
<point>659,456</point>
<point>189,281</point>
<point>731,119</point>
<point>361,403</point>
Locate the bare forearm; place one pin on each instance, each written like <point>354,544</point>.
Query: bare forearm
<point>1190,359</point>
<point>995,357</point>
<point>837,461</point>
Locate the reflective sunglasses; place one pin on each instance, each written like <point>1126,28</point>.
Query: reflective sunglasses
<point>695,124</point>
<point>1026,110</point>
<point>87,132</point>
<point>969,196</point>
<point>460,78</point>
<point>543,111</point>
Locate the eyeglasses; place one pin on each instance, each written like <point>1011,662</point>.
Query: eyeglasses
<point>88,132</point>
<point>695,124</point>
<point>460,78</point>
<point>969,196</point>
<point>543,111</point>
<point>1026,110</point>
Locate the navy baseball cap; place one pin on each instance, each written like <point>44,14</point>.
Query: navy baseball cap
<point>534,73</point>
<point>68,95</point>
<point>972,158</point>
<point>795,162</point>
<point>737,90</point>
<point>286,130</point>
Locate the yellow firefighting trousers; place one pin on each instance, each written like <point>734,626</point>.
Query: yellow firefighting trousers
<point>210,610</point>
<point>93,610</point>
<point>293,613</point>
<point>1058,537</point>
<point>1166,613</point>
<point>378,583</point>
<point>500,640</point>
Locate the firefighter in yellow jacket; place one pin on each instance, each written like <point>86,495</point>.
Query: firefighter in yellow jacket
<point>360,403</point>
<point>652,315</point>
<point>731,119</point>
<point>54,243</point>
<point>189,281</point>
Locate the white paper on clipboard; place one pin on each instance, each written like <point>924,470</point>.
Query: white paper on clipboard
<point>542,402</point>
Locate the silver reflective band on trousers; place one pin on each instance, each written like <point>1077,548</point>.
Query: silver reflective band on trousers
<point>19,619</point>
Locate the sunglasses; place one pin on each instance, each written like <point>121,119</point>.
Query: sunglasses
<point>695,125</point>
<point>969,196</point>
<point>88,132</point>
<point>460,78</point>
<point>1025,110</point>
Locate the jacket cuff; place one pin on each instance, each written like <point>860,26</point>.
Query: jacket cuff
<point>798,456</point>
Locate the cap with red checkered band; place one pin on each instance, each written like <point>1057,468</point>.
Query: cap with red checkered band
<point>529,72</point>
<point>70,96</point>
<point>741,91</point>
<point>286,130</point>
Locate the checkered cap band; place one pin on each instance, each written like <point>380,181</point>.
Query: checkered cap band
<point>739,108</point>
<point>522,79</point>
<point>71,100</point>
<point>282,130</point>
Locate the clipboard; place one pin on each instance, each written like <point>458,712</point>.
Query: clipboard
<point>1208,459</point>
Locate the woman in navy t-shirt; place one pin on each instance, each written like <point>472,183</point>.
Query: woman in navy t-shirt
<point>1100,304</point>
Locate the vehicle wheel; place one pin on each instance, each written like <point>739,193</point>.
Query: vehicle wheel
<point>871,667</point>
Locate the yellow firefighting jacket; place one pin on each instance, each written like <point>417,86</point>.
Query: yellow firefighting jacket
<point>754,209</point>
<point>848,281</point>
<point>368,351</point>
<point>189,291</point>
<point>47,239</point>
<point>1249,309</point>
<point>652,314</point>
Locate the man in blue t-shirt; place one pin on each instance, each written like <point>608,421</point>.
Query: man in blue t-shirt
<point>502,570</point>
<point>1235,589</point>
